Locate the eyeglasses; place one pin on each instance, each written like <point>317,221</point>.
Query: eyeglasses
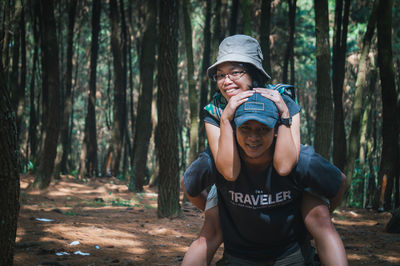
<point>234,75</point>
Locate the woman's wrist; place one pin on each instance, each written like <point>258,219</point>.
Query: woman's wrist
<point>225,118</point>
<point>284,114</point>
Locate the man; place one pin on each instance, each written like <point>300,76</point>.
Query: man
<point>260,213</point>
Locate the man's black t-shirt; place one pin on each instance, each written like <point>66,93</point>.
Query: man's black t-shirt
<point>260,212</point>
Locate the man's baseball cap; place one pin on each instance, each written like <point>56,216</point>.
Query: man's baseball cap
<point>257,108</point>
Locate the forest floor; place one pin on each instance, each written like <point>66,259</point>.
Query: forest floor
<point>99,222</point>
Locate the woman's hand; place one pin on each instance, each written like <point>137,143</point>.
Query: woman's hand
<point>276,97</point>
<point>234,102</point>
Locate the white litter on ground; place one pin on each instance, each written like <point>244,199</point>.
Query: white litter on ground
<point>44,220</point>
<point>62,253</point>
<point>81,253</point>
<point>74,243</point>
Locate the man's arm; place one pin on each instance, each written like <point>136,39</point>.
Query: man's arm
<point>335,201</point>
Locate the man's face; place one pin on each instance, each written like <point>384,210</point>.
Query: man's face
<point>254,138</point>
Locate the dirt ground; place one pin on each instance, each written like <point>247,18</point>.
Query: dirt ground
<point>98,222</point>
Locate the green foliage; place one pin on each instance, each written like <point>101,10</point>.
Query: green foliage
<point>70,213</point>
<point>121,177</point>
<point>94,203</point>
<point>360,12</point>
<point>120,203</point>
<point>30,166</point>
<point>147,207</point>
<point>75,174</point>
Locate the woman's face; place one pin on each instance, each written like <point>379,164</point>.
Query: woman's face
<point>234,79</point>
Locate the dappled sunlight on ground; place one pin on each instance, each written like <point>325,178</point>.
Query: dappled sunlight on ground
<point>365,239</point>
<point>118,227</point>
<point>112,224</point>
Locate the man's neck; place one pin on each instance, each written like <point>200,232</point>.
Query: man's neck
<point>259,164</point>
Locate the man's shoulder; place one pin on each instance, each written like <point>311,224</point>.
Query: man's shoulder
<point>308,158</point>
<point>306,152</point>
<point>311,161</point>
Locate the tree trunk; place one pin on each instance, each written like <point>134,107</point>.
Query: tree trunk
<point>125,143</point>
<point>167,104</point>
<point>234,17</point>
<point>203,74</point>
<point>323,121</point>
<point>32,110</point>
<point>389,160</point>
<point>143,128</point>
<point>393,225</point>
<point>119,89</point>
<point>338,71</point>
<point>218,33</point>
<point>194,122</point>
<point>289,54</point>
<point>246,8</point>
<point>6,38</point>
<point>65,137</point>
<point>22,79</point>
<point>373,199</point>
<point>89,162</point>
<point>358,105</point>
<point>18,98</point>
<point>51,73</point>
<point>265,29</point>
<point>367,148</point>
<point>9,176</point>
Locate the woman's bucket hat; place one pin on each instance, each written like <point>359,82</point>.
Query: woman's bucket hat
<point>239,48</point>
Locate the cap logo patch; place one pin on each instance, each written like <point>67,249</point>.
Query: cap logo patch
<point>253,106</point>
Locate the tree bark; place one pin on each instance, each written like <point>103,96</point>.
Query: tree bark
<point>6,37</point>
<point>18,98</point>
<point>89,164</point>
<point>393,226</point>
<point>167,103</point>
<point>265,29</point>
<point>373,191</point>
<point>51,75</point>
<point>65,137</point>
<point>234,17</point>
<point>33,141</point>
<point>9,176</point>
<point>338,71</point>
<point>289,54</point>
<point>203,74</point>
<point>125,142</point>
<point>144,127</point>
<point>218,34</point>
<point>359,95</point>
<point>22,79</point>
<point>366,142</point>
<point>323,121</point>
<point>119,108</point>
<point>389,160</point>
<point>194,121</point>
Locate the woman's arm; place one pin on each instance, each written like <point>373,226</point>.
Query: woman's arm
<point>222,140</point>
<point>287,146</point>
